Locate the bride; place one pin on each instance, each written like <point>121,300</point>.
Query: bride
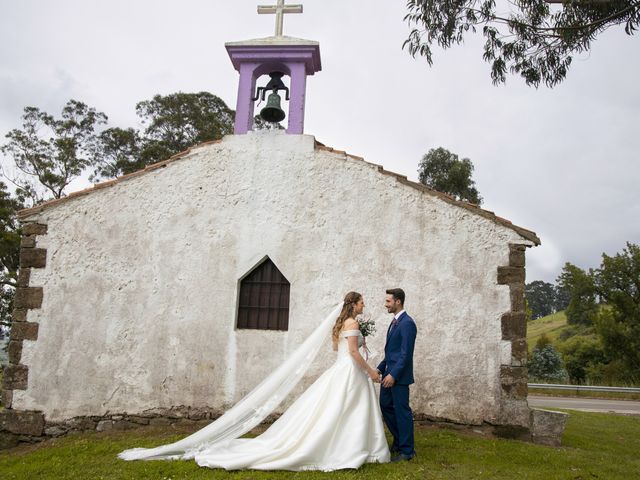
<point>336,423</point>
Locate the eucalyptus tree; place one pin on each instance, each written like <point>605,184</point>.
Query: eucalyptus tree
<point>535,39</point>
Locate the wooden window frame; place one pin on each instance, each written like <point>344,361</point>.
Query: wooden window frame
<point>263,298</point>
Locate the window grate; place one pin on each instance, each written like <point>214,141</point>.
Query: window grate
<point>264,299</point>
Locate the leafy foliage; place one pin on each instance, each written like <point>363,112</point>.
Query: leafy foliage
<point>583,354</point>
<point>541,298</point>
<point>546,365</point>
<point>173,123</point>
<point>602,343</point>
<point>563,297</point>
<point>543,341</point>
<point>50,152</point>
<point>544,298</point>
<point>444,171</point>
<point>9,253</point>
<point>117,152</point>
<point>618,284</point>
<point>583,306</point>
<point>533,39</point>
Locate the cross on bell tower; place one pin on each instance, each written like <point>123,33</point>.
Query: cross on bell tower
<point>279,54</point>
<point>280,9</point>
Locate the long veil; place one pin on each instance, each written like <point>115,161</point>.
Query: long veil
<point>252,409</point>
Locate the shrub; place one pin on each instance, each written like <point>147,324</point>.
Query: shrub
<point>546,365</point>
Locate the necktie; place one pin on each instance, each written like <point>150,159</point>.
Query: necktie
<point>394,322</point>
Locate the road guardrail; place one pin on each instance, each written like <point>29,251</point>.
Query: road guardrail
<point>584,388</point>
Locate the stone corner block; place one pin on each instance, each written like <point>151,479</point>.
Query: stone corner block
<point>514,381</point>
<point>28,241</point>
<point>33,257</point>
<point>517,255</point>
<point>515,413</point>
<point>22,423</point>
<point>514,326</point>
<point>509,275</point>
<point>24,331</point>
<point>16,377</point>
<point>548,426</point>
<point>34,229</point>
<point>15,352</point>
<point>519,352</point>
<point>6,398</point>
<point>28,297</point>
<point>19,315</point>
<point>24,277</point>
<point>516,294</point>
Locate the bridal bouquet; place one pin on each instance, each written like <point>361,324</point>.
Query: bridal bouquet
<point>367,327</point>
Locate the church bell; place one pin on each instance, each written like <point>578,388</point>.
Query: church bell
<point>273,112</point>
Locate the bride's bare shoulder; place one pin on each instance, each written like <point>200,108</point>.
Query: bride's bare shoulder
<point>350,324</point>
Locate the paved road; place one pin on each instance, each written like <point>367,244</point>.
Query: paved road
<point>628,407</point>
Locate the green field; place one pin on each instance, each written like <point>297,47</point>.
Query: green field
<point>551,325</point>
<point>595,446</point>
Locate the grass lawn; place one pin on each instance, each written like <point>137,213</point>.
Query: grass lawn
<point>552,325</point>
<point>595,446</point>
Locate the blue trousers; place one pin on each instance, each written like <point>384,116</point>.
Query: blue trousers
<point>397,415</point>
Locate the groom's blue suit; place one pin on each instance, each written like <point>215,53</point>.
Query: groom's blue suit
<point>394,401</point>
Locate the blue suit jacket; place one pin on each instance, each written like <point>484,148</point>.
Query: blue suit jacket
<point>398,351</point>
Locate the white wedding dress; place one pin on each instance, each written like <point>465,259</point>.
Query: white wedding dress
<point>335,424</point>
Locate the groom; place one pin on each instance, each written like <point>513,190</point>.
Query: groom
<point>396,371</point>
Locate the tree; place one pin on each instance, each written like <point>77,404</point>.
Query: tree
<point>9,253</point>
<point>444,171</point>
<point>583,354</point>
<point>533,39</point>
<point>583,306</point>
<point>543,341</point>
<point>562,298</point>
<point>173,123</point>
<point>541,298</point>
<point>618,284</point>
<point>546,365</point>
<point>49,153</point>
<point>117,152</point>
<point>181,120</point>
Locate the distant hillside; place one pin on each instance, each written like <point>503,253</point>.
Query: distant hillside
<point>553,325</point>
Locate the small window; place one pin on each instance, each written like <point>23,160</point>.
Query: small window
<point>264,299</point>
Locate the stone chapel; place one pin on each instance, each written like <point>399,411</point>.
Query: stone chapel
<point>166,295</point>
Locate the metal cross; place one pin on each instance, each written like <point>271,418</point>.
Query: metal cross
<point>280,9</point>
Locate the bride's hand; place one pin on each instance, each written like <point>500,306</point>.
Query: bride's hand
<point>374,375</point>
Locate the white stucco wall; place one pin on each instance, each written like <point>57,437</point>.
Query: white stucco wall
<point>141,281</point>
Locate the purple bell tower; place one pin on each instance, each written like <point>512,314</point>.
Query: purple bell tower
<point>293,57</point>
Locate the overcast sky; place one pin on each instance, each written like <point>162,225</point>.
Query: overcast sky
<point>563,162</point>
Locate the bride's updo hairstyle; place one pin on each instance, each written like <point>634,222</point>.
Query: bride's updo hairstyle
<point>348,311</point>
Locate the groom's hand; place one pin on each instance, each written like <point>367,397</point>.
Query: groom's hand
<point>388,381</point>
